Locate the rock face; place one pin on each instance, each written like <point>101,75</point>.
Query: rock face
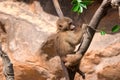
<point>102,64</point>
<point>25,34</point>
<point>27,28</point>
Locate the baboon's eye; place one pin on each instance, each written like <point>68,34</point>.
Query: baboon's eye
<point>70,23</point>
<point>60,25</point>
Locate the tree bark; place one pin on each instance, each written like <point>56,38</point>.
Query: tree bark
<point>57,8</point>
<point>99,14</point>
<point>7,65</point>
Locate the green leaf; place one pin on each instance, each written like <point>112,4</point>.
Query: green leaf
<point>81,9</point>
<point>116,28</point>
<point>102,32</point>
<point>79,1</point>
<point>75,8</point>
<point>83,5</point>
<point>79,5</point>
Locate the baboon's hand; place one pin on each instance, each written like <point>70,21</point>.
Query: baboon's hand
<point>72,59</point>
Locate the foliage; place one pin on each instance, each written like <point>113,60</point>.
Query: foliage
<point>102,32</point>
<point>79,5</point>
<point>116,28</point>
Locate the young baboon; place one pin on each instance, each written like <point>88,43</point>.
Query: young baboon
<point>67,37</point>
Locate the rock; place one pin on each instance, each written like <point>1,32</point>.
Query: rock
<point>25,34</point>
<point>101,65</point>
<point>34,59</point>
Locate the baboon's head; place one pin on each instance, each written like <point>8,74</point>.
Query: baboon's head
<point>65,24</point>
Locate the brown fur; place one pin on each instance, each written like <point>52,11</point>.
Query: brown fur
<point>67,37</point>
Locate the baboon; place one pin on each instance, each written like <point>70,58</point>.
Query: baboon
<point>67,37</point>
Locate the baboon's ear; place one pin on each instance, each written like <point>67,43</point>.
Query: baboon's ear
<point>69,20</point>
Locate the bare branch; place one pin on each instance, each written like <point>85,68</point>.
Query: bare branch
<point>119,11</point>
<point>58,9</point>
<point>99,14</point>
<point>7,65</point>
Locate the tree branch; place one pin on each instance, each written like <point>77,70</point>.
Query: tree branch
<point>119,11</point>
<point>58,9</point>
<point>99,14</point>
<point>7,65</point>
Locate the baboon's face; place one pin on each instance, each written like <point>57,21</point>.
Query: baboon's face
<point>65,24</point>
